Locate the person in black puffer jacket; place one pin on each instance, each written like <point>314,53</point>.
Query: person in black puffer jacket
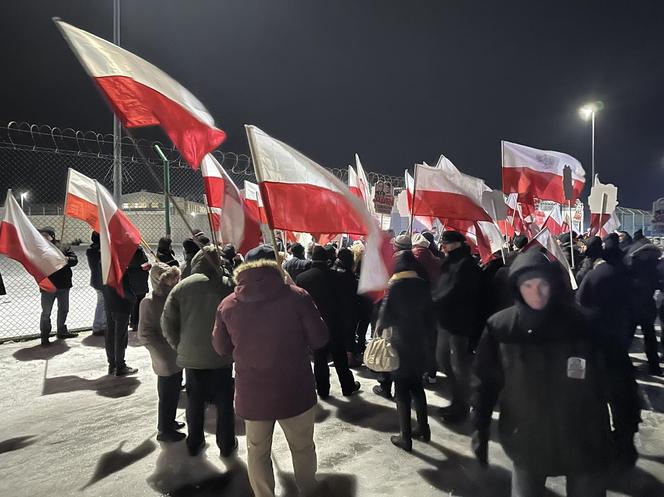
<point>540,358</point>
<point>456,300</point>
<point>61,280</point>
<point>165,252</point>
<point>407,310</point>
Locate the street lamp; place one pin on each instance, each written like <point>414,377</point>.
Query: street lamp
<point>23,196</point>
<point>588,111</point>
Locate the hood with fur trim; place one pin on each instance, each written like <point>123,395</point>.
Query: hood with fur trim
<point>259,280</point>
<point>163,278</point>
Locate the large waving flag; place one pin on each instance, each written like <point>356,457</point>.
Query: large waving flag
<point>81,201</point>
<point>363,185</point>
<point>252,197</point>
<point>119,240</point>
<point>236,222</point>
<point>353,184</point>
<point>143,95</point>
<point>539,173</point>
<point>300,195</point>
<point>20,240</point>
<point>554,221</point>
<point>427,221</point>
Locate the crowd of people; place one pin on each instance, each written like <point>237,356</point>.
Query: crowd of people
<point>510,334</point>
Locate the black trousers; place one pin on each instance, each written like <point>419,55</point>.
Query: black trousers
<point>405,390</point>
<point>322,370</point>
<point>116,338</point>
<point>133,320</point>
<point>361,336</point>
<point>650,342</point>
<point>216,387</point>
<point>168,389</point>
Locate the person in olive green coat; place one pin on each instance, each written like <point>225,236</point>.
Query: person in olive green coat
<point>187,323</point>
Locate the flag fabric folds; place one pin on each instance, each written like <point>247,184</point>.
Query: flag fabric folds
<point>20,240</point>
<point>252,197</point>
<point>364,186</point>
<point>81,201</point>
<point>119,239</point>
<point>141,94</point>
<point>554,221</point>
<point>300,195</point>
<point>237,224</point>
<point>539,173</point>
<point>545,240</point>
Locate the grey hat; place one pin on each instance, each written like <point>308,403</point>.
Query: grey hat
<point>402,242</point>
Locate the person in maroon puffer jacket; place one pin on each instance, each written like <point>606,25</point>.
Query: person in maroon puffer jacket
<point>271,327</point>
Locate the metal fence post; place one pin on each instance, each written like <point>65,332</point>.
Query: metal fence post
<point>167,189</point>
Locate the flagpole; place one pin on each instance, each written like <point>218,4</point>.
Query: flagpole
<point>64,207</point>
<point>412,205</point>
<point>571,233</point>
<point>147,246</point>
<point>213,232</point>
<point>266,204</point>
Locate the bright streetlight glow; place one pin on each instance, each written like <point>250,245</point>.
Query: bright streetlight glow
<point>587,111</point>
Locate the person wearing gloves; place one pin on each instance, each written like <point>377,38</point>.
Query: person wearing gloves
<point>187,323</point>
<point>169,375</point>
<point>539,357</point>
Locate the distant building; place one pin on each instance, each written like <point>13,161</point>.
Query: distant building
<point>150,201</point>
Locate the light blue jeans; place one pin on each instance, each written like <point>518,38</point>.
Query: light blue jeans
<point>99,322</point>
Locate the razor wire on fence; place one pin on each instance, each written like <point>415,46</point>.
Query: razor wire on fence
<point>34,160</point>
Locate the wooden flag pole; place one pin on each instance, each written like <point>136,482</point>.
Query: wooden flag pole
<point>268,209</point>
<point>571,233</point>
<point>412,205</point>
<point>147,246</point>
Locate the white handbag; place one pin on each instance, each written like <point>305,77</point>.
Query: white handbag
<point>380,355</point>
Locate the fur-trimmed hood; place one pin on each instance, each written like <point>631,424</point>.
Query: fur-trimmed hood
<point>258,280</point>
<point>163,278</point>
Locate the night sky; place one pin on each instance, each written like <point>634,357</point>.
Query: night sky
<point>395,81</point>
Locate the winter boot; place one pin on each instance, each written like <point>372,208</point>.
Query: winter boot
<point>402,443</point>
<point>64,333</point>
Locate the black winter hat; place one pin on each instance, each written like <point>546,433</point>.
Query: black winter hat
<point>520,241</point>
<point>345,257</point>
<point>452,237</point>
<point>262,252</point>
<point>94,237</point>
<point>531,264</point>
<point>638,235</point>
<point>228,251</point>
<point>430,238</point>
<point>297,249</point>
<point>189,246</point>
<point>319,254</point>
<point>404,260</point>
<point>49,230</point>
<point>593,247</point>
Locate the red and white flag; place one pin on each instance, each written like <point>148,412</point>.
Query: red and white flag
<point>353,184</point>
<point>20,240</point>
<point>364,186</point>
<point>610,226</point>
<point>237,224</point>
<point>119,239</point>
<point>554,221</point>
<point>426,221</point>
<point>252,196</point>
<point>300,195</point>
<point>81,201</point>
<point>143,95</point>
<point>545,240</point>
<point>539,173</point>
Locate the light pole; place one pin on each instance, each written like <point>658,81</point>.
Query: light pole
<point>24,195</point>
<point>588,111</point>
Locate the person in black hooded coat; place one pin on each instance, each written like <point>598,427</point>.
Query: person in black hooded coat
<point>407,310</point>
<point>539,359</point>
<point>165,252</point>
<point>591,256</point>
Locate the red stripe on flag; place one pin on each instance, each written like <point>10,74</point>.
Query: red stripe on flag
<point>214,189</point>
<point>10,245</point>
<point>308,208</point>
<point>138,105</point>
<point>125,239</point>
<point>544,186</point>
<point>596,224</point>
<point>448,205</point>
<point>79,208</point>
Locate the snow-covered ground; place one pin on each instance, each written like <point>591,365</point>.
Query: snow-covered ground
<point>67,429</point>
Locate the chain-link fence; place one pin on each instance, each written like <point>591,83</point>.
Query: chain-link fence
<point>34,160</point>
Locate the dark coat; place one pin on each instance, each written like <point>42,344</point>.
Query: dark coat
<point>61,279</point>
<point>167,256</point>
<point>456,294</point>
<point>642,261</point>
<point>94,262</point>
<point>270,328</point>
<point>322,283</point>
<point>295,266</point>
<point>349,303</point>
<point>552,382</point>
<point>2,287</point>
<point>137,277</point>
<point>407,309</point>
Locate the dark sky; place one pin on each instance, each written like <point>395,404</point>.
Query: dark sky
<point>396,81</point>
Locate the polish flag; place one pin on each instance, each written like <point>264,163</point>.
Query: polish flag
<point>252,196</point>
<point>545,240</point>
<point>119,240</point>
<point>237,224</point>
<point>300,195</point>
<point>554,221</point>
<point>539,173</point>
<point>81,201</point>
<point>447,193</point>
<point>610,226</point>
<point>20,240</point>
<point>353,184</point>
<point>598,222</point>
<point>143,95</point>
<point>427,221</point>
<point>364,186</point>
